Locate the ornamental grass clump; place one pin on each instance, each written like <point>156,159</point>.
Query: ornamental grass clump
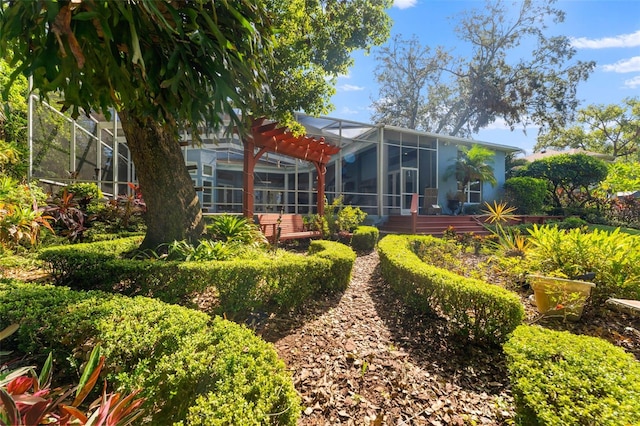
<point>612,257</point>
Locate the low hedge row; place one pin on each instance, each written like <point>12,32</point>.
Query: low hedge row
<point>193,369</point>
<point>559,378</point>
<point>239,286</point>
<point>480,311</point>
<point>364,238</point>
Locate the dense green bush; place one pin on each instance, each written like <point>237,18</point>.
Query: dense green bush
<point>185,362</point>
<point>364,238</point>
<point>559,378</point>
<point>614,257</point>
<point>526,194</point>
<point>571,177</point>
<point>87,191</point>
<point>337,219</point>
<point>476,309</point>
<point>240,286</point>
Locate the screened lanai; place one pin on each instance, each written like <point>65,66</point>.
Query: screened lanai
<point>377,168</point>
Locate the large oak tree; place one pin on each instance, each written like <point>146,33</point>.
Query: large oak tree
<point>612,129</point>
<point>515,72</point>
<point>168,65</point>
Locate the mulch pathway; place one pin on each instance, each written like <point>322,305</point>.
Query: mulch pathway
<point>361,358</point>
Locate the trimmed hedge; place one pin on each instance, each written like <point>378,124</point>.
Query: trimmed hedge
<point>480,311</point>
<point>559,378</point>
<point>364,238</point>
<point>185,362</point>
<point>240,286</point>
<point>526,193</point>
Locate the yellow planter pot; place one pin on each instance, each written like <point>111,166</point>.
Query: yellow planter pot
<point>559,297</point>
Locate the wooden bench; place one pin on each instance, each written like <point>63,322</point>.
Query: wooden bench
<point>291,227</point>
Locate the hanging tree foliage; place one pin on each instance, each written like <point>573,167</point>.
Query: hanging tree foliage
<point>167,65</point>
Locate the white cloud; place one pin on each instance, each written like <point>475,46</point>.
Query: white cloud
<point>350,88</point>
<point>625,65</point>
<point>633,83</point>
<point>404,4</point>
<point>499,124</point>
<point>348,111</point>
<point>623,40</point>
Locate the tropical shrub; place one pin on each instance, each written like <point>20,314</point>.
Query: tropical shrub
<point>613,257</point>
<point>28,398</point>
<point>205,250</point>
<point>507,239</point>
<point>476,310</point>
<point>570,222</point>
<point>22,222</point>
<point>83,193</point>
<point>623,211</point>
<point>364,238</point>
<point>559,378</point>
<point>232,228</point>
<point>21,226</point>
<point>337,218</point>
<point>125,213</point>
<point>277,281</point>
<point>183,360</point>
<point>526,194</point>
<point>69,219</point>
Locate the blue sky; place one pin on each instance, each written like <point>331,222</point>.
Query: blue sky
<point>605,31</point>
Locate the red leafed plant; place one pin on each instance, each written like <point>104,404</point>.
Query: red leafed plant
<point>28,399</point>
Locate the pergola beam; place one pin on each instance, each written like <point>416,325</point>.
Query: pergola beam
<point>268,137</point>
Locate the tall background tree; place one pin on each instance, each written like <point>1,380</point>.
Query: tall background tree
<point>168,65</point>
<point>432,90</point>
<point>313,46</point>
<point>612,129</point>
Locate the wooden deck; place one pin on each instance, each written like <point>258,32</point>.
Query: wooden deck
<point>436,224</point>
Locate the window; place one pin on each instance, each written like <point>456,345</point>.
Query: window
<point>207,193</point>
<point>207,170</point>
<point>474,192</point>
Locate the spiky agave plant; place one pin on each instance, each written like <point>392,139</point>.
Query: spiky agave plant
<point>512,243</point>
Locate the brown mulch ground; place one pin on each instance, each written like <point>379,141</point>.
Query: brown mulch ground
<point>363,359</point>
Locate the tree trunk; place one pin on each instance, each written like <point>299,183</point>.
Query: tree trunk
<point>173,208</point>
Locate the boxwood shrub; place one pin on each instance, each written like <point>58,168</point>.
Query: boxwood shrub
<point>238,286</point>
<point>187,364</point>
<point>480,311</point>
<point>364,238</point>
<point>559,378</point>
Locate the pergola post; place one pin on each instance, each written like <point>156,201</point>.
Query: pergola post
<point>249,164</point>
<point>321,179</point>
<point>271,138</point>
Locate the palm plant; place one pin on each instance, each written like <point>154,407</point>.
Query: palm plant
<point>473,164</point>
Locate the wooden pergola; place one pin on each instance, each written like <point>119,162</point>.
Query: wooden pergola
<point>271,138</point>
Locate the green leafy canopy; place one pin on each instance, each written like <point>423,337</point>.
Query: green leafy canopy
<point>178,62</point>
